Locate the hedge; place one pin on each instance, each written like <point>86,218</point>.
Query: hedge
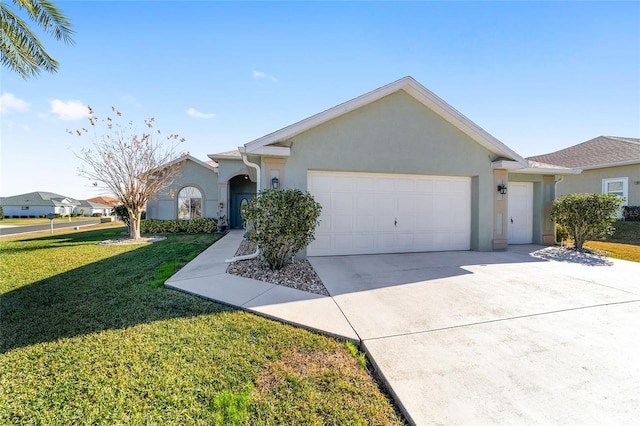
<point>631,213</point>
<point>171,226</point>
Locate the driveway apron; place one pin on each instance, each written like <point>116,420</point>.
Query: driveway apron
<point>529,335</point>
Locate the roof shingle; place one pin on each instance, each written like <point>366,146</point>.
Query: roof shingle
<point>599,151</point>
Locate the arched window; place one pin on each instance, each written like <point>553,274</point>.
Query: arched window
<point>189,203</point>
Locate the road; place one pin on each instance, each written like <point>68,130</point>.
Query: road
<point>14,230</point>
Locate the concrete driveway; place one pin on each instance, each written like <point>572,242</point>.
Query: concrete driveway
<point>518,337</point>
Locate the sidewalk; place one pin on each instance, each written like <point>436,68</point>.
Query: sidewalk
<point>205,276</point>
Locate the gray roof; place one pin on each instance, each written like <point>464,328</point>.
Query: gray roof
<point>93,205</point>
<point>39,198</point>
<point>600,151</point>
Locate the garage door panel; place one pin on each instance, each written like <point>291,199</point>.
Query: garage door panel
<point>385,203</point>
<point>342,202</point>
<point>342,223</point>
<point>365,202</point>
<point>404,185</point>
<point>406,203</point>
<point>384,184</point>
<point>324,226</point>
<point>377,213</point>
<point>364,184</point>
<point>366,241</point>
<point>320,183</point>
<point>343,184</point>
<point>343,241</point>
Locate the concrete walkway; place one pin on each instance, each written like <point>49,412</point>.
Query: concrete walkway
<point>531,335</point>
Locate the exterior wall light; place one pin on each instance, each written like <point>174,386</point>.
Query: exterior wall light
<point>502,189</point>
<point>275,183</point>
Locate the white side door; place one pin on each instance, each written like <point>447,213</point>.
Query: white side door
<point>520,220</point>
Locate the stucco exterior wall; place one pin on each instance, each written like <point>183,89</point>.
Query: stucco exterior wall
<point>590,181</point>
<point>397,134</point>
<point>165,205</point>
<point>35,211</point>
<point>543,187</point>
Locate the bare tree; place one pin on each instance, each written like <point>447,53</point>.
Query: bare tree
<point>132,165</point>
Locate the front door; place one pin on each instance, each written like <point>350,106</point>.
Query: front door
<point>520,225</point>
<point>237,201</point>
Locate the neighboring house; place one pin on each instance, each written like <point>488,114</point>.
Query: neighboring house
<point>37,204</point>
<point>610,165</point>
<point>194,193</point>
<point>395,170</point>
<point>103,199</point>
<point>90,208</point>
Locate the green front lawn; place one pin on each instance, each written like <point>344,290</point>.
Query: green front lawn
<point>85,337</point>
<point>43,221</point>
<point>623,244</point>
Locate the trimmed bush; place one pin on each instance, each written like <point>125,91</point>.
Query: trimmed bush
<point>172,226</point>
<point>631,213</point>
<point>586,216</point>
<point>281,223</point>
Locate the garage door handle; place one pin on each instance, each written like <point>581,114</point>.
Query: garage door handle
<point>511,220</point>
<point>395,222</point>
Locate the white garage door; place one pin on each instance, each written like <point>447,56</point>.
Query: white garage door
<point>366,213</point>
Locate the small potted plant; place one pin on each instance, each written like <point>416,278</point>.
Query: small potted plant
<point>222,224</point>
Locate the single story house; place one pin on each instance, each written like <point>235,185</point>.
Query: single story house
<point>194,193</point>
<point>106,200</point>
<point>395,170</point>
<point>36,204</point>
<point>90,208</point>
<point>610,165</point>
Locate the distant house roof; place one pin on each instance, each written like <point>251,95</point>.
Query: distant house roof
<point>603,151</point>
<point>39,198</point>
<point>109,201</point>
<point>93,205</point>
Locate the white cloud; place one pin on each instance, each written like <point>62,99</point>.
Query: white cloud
<point>197,114</point>
<point>68,110</point>
<point>260,74</point>
<point>9,102</point>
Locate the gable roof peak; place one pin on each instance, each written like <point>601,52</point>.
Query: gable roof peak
<point>412,87</point>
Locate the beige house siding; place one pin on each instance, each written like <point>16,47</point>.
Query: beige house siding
<point>590,181</point>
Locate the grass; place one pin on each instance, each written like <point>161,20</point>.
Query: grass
<point>623,244</point>
<point>85,338</point>
<point>43,221</point>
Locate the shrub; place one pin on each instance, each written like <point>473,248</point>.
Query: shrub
<point>281,223</point>
<point>1,213</point>
<point>97,214</point>
<point>172,226</point>
<point>562,233</point>
<point>631,213</point>
<point>586,216</point>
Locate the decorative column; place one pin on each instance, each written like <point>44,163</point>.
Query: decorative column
<point>548,231</point>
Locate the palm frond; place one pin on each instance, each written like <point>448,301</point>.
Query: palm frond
<point>49,17</point>
<point>20,49</point>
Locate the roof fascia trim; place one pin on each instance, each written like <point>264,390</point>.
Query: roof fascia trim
<point>618,164</point>
<point>413,88</point>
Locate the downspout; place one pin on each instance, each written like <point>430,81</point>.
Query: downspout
<point>257,252</point>
<point>555,196</point>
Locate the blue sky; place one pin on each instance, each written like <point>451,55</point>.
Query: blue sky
<point>539,76</point>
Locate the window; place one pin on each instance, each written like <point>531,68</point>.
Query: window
<point>189,203</point>
<point>24,208</point>
<point>619,187</point>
